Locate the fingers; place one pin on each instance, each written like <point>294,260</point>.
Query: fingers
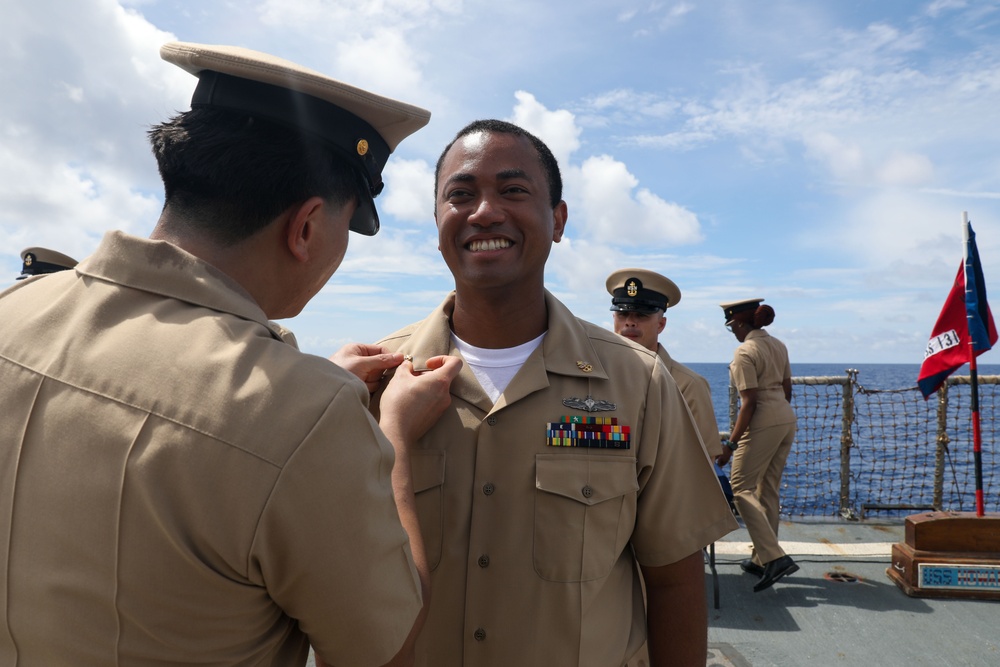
<point>380,362</point>
<point>450,366</point>
<point>367,362</point>
<point>413,400</point>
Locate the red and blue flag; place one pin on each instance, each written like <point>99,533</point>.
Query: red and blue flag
<point>965,323</point>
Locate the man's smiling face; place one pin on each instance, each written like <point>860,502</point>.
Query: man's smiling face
<point>495,221</point>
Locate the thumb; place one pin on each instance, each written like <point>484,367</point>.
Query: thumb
<point>448,365</point>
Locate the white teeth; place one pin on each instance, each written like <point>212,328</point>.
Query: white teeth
<point>491,244</point>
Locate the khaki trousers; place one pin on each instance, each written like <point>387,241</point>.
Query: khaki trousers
<point>757,467</point>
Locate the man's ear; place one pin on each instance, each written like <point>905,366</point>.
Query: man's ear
<point>559,214</point>
<point>300,226</point>
<point>663,323</point>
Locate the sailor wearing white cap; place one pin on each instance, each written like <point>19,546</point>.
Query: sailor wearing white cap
<point>38,261</point>
<point>639,300</point>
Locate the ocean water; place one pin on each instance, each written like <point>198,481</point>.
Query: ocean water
<point>892,462</point>
<point>870,376</point>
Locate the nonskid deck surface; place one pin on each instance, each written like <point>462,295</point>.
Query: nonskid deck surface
<point>841,608</point>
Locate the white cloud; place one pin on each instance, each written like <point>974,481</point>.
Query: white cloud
<point>612,214</point>
<point>84,82</point>
<point>382,61</point>
<point>902,234</point>
<point>845,160</point>
<point>557,129</point>
<point>336,15</point>
<point>902,168</point>
<point>939,6</point>
<point>393,253</point>
<point>604,202</point>
<point>409,191</point>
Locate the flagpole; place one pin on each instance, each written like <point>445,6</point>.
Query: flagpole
<point>977,435</point>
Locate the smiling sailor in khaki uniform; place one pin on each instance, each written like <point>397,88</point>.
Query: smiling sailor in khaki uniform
<point>178,484</point>
<point>639,299</point>
<point>555,475</point>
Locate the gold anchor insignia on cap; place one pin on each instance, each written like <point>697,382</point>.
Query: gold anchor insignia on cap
<point>590,404</point>
<point>29,259</point>
<point>362,147</point>
<point>632,288</point>
<point>584,366</point>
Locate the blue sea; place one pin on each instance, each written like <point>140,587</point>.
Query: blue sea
<point>870,376</point>
<point>885,418</point>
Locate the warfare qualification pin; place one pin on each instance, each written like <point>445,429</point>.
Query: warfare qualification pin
<point>590,404</point>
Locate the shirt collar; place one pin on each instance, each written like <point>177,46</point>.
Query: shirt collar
<point>566,350</point>
<point>163,268</point>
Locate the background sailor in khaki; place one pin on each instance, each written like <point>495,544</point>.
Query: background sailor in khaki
<point>763,432</point>
<point>178,484</point>
<point>37,261</point>
<point>535,531</point>
<point>639,299</point>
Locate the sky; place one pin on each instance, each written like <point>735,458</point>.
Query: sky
<point>818,154</point>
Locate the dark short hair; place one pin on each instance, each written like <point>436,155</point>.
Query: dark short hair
<point>229,174</point>
<point>548,161</point>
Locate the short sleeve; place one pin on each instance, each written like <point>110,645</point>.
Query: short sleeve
<point>743,370</point>
<point>681,508</point>
<point>330,548</point>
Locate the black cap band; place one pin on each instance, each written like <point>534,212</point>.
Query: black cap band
<point>636,298</point>
<point>351,137</point>
<point>36,268</point>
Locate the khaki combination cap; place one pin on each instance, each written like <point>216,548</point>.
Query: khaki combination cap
<point>641,291</point>
<point>36,261</point>
<point>362,127</point>
<point>731,308</point>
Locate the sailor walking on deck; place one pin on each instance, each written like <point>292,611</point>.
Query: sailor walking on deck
<point>762,435</point>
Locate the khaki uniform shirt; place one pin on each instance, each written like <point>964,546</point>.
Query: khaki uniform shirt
<point>698,395</point>
<point>178,485</point>
<point>761,363</point>
<point>531,545</point>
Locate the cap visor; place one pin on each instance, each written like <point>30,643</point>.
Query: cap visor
<point>365,218</point>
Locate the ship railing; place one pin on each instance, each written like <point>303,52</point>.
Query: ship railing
<point>861,451</point>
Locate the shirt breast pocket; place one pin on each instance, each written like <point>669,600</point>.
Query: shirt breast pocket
<point>428,482</point>
<point>584,514</point>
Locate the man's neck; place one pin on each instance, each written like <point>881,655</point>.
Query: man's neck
<point>499,320</point>
<point>243,262</point>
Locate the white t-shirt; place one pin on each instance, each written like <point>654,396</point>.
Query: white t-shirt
<point>496,368</point>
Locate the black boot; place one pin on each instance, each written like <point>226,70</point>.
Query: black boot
<point>775,570</point>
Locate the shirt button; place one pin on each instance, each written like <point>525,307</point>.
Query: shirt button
<point>484,561</point>
<point>479,634</point>
<point>491,420</point>
<point>587,491</point>
<point>488,489</point>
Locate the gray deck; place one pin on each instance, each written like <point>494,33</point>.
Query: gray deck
<point>840,608</point>
<point>813,618</point>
